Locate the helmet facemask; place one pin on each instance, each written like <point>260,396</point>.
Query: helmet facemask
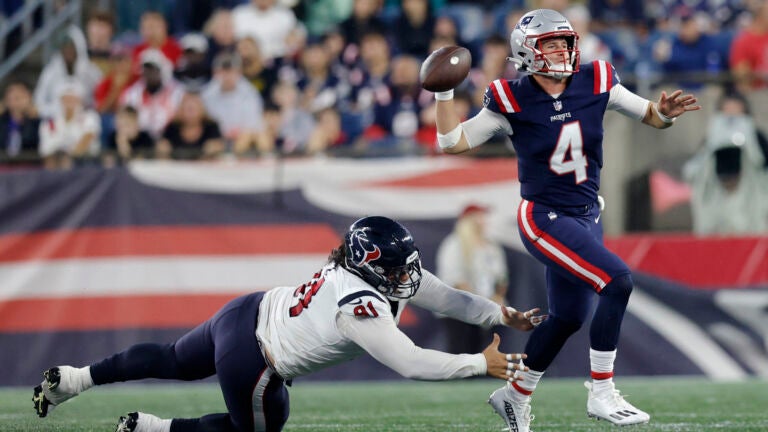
<point>528,38</point>
<point>543,63</point>
<point>401,282</point>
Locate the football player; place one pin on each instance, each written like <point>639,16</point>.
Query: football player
<point>556,114</point>
<point>258,342</point>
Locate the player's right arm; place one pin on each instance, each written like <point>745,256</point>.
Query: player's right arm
<point>381,338</point>
<point>453,136</point>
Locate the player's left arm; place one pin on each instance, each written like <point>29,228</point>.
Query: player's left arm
<point>663,113</point>
<point>436,296</point>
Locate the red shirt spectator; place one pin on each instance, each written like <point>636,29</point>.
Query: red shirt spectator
<point>154,33</point>
<point>749,53</point>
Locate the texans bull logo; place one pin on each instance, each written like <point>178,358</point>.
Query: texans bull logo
<point>362,248</point>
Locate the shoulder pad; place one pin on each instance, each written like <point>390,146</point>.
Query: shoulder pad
<point>499,98</point>
<point>605,76</point>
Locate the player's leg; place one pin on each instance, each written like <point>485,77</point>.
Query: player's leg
<point>256,397</point>
<point>189,358</point>
<point>569,301</point>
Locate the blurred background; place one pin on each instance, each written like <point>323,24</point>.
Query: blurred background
<point>159,157</point>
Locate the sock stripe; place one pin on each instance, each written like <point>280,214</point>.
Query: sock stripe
<point>522,390</point>
<point>602,375</point>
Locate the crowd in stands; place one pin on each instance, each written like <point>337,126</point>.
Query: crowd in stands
<point>259,77</point>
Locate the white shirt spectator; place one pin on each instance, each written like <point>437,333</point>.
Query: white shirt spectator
<point>59,135</point>
<point>270,27</point>
<point>155,110</point>
<point>55,73</point>
<point>238,110</point>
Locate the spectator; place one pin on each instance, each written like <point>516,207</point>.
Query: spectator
<point>128,141</point>
<point>327,132</point>
<point>690,53</point>
<point>749,52</point>
<point>613,14</point>
<point>193,70</point>
<point>156,95</point>
<point>324,15</point>
<point>319,86</point>
<point>70,63</point>
<point>191,134</point>
<point>220,29</point>
<point>272,25</point>
<point>396,110</point>
<point>288,127</point>
<point>472,262</point>
<point>591,48</point>
<point>233,102</point>
<point>19,124</point>
<point>260,72</point>
<point>108,91</point>
<point>728,176</point>
<point>99,31</point>
<point>154,35</point>
<point>71,133</point>
<point>364,20</point>
<point>414,28</point>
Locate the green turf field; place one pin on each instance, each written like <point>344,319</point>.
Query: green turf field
<point>559,405</point>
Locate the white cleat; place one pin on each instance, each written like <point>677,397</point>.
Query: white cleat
<point>59,384</point>
<point>609,405</point>
<point>516,414</point>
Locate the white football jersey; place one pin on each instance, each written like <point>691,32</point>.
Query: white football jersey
<point>297,326</point>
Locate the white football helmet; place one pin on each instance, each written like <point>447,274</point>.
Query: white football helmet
<point>526,42</point>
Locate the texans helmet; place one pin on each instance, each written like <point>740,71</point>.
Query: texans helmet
<point>526,42</point>
<point>382,252</point>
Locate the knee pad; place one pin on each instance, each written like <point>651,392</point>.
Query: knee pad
<point>620,286</point>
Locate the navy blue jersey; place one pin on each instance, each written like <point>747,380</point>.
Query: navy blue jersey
<point>559,141</point>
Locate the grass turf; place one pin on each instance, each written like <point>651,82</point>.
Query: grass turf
<point>675,404</point>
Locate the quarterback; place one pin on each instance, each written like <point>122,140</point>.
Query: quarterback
<point>554,116</point>
<point>259,342</point>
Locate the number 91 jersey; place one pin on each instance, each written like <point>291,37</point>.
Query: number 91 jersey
<point>558,140</point>
<point>297,325</point>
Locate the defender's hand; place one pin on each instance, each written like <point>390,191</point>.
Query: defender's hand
<point>502,365</point>
<point>524,321</point>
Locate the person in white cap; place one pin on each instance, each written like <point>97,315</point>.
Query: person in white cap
<point>72,132</point>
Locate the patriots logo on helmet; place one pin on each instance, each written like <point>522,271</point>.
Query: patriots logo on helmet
<point>362,249</point>
<point>525,21</point>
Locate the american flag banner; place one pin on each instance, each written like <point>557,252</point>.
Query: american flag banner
<point>93,260</point>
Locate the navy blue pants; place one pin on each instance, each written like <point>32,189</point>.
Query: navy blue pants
<point>570,243</point>
<point>226,346</point>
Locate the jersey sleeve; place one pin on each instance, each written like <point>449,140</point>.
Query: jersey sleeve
<point>390,346</point>
<point>605,77</point>
<point>364,304</point>
<point>436,296</point>
<point>499,98</point>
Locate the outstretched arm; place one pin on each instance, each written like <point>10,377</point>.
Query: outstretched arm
<point>386,343</point>
<point>663,113</point>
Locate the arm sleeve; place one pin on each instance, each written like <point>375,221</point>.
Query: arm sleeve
<point>386,343</point>
<point>484,126</point>
<point>627,103</point>
<point>436,296</point>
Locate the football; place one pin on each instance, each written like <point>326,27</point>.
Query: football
<point>445,68</point>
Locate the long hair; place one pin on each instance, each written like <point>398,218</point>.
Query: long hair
<point>338,256</point>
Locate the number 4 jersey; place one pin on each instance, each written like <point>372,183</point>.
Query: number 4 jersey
<point>558,138</point>
<point>337,316</point>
